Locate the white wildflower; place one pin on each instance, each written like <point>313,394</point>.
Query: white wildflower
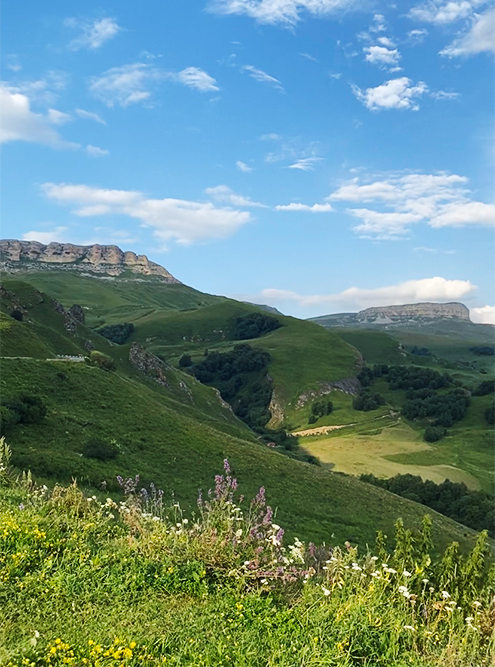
<point>409,627</point>
<point>356,567</point>
<point>325,590</point>
<point>406,573</point>
<point>445,595</point>
<point>425,581</point>
<point>238,533</point>
<point>476,603</point>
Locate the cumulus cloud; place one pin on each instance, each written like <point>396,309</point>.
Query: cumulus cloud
<point>287,12</point>
<point>394,94</point>
<point>483,315</point>
<point>89,115</point>
<point>357,298</point>
<point>306,163</point>
<point>480,38</point>
<point>242,166</point>
<point>262,77</point>
<point>185,221</point>
<point>225,195</point>
<point>382,56</point>
<point>295,206</point>
<point>92,34</point>
<point>128,84</point>
<point>94,151</point>
<point>55,235</point>
<point>195,77</point>
<point>440,200</point>
<point>19,123</point>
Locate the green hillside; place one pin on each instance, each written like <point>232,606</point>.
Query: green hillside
<point>175,435</point>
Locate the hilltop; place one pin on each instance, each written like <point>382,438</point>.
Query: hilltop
<point>104,260</point>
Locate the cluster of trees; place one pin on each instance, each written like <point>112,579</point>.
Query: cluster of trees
<point>483,350</point>
<point>366,401</point>
<point>446,408</point>
<point>320,409</point>
<point>475,509</point>
<point>24,409</point>
<point>484,388</point>
<point>416,377</point>
<point>421,351</point>
<point>254,325</point>
<point>117,333</point>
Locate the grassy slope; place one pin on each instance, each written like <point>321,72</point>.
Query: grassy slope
<point>170,444</point>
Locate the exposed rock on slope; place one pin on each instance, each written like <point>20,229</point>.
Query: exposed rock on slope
<point>21,256</point>
<point>388,314</point>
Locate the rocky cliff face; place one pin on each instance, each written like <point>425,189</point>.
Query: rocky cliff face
<point>415,311</point>
<point>109,260</point>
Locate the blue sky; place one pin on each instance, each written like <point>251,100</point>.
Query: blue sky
<point>317,155</point>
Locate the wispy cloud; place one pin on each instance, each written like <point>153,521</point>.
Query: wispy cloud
<point>58,234</point>
<point>185,221</point>
<point>307,56</point>
<point>442,12</point>
<point>398,93</point>
<point>262,77</point>
<point>306,163</point>
<point>90,115</point>
<point>242,166</point>
<point>92,34</point>
<point>434,251</point>
<point>195,77</point>
<point>295,206</point>
<point>224,195</point>
<point>287,12</point>
<point>125,85</point>
<point>399,201</point>
<point>94,151</point>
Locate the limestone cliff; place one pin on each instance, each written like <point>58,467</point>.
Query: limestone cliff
<point>414,311</point>
<point>109,260</point>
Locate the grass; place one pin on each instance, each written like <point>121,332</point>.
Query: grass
<point>99,583</point>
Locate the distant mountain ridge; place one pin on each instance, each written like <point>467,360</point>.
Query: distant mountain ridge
<point>27,256</point>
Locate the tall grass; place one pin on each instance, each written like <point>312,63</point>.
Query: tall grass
<point>88,581</point>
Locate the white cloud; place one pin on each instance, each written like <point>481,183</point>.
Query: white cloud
<point>417,35</point>
<point>483,315</point>
<point>295,206</point>
<point>444,95</point>
<point>185,221</point>
<point>93,34</point>
<point>309,57</point>
<point>440,200</point>
<point>278,11</point>
<point>128,84</point>
<point>55,235</point>
<point>13,63</point>
<point>272,136</point>
<point>194,77</point>
<point>434,251</point>
<point>225,195</point>
<point>382,56</point>
<point>441,12</point>
<point>357,298</point>
<point>242,166</point>
<point>94,151</point>
<point>89,115</point>
<point>479,39</point>
<point>393,94</point>
<point>386,41</point>
<point>306,163</point>
<point>45,90</point>
<point>19,123</point>
<point>262,77</point>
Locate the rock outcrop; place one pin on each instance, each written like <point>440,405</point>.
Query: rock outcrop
<point>20,256</point>
<point>414,311</point>
<point>148,364</point>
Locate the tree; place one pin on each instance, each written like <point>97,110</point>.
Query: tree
<point>185,361</point>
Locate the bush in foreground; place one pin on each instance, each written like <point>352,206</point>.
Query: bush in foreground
<point>87,582</point>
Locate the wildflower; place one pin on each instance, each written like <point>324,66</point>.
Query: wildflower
<point>238,533</point>
<point>375,574</point>
<point>476,603</point>
<point>403,590</point>
<point>406,573</point>
<point>409,627</point>
<point>21,506</point>
<point>373,558</point>
<point>425,581</point>
<point>226,465</point>
<point>445,595</point>
<point>356,567</point>
<point>325,590</point>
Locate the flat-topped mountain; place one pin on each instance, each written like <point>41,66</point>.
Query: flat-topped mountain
<point>389,314</point>
<point>110,260</point>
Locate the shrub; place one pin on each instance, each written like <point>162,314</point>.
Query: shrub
<point>8,419</point>
<point>434,433</point>
<point>27,409</point>
<point>96,448</point>
<point>366,401</point>
<point>102,361</point>
<point>185,361</point>
<point>17,315</point>
<point>321,408</point>
<point>490,414</point>
<point>484,388</point>
<point>117,333</point>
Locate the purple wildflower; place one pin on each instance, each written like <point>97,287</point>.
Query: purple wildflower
<point>226,465</point>
<point>268,516</point>
<point>280,535</point>
<point>260,497</point>
<point>200,498</point>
